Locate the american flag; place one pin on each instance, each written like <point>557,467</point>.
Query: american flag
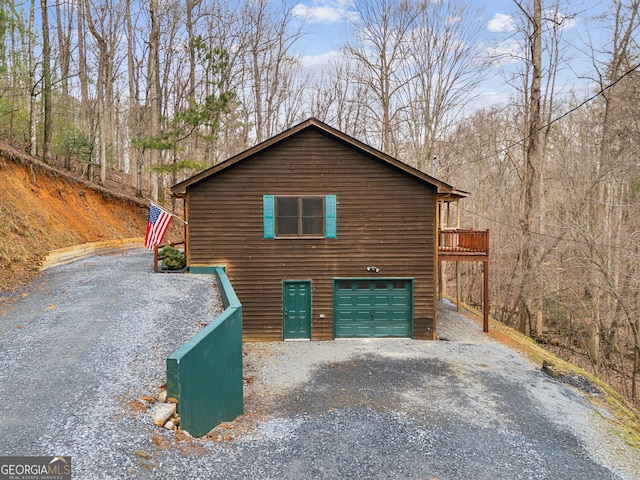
<point>157,226</point>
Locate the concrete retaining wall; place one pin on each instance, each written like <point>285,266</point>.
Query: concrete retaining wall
<point>205,374</point>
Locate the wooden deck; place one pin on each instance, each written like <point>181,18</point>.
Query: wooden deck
<point>463,245</point>
<point>457,245</point>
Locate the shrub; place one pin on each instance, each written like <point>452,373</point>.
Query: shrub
<point>172,258</point>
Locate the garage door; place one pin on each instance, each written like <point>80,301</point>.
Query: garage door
<point>372,308</point>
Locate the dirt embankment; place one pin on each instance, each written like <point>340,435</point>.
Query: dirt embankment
<point>42,208</point>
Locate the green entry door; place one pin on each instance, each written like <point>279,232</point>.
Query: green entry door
<point>296,309</point>
<point>373,308</point>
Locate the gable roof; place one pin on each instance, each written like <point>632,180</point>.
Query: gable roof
<point>443,189</point>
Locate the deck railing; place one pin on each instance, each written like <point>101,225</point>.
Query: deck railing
<point>464,241</point>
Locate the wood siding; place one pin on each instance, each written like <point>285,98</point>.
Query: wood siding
<point>385,218</point>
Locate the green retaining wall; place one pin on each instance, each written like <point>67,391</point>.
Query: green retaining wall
<point>205,374</point>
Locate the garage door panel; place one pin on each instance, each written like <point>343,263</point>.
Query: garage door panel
<point>373,308</point>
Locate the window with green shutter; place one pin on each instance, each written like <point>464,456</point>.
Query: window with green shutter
<point>299,216</point>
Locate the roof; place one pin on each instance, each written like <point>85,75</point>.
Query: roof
<point>444,190</point>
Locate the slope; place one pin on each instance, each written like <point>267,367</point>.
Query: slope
<point>43,208</point>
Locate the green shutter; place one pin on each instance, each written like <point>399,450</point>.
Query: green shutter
<point>330,217</point>
<point>268,216</point>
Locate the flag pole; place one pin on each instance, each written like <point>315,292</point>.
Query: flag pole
<point>173,215</point>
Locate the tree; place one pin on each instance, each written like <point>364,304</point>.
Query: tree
<point>608,273</point>
<point>380,45</point>
<point>200,119</point>
<point>136,160</point>
<point>105,32</point>
<point>153,95</point>
<point>32,82</point>
<point>530,297</point>
<point>271,97</point>
<point>446,68</point>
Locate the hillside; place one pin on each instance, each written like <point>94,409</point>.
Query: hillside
<point>43,208</point>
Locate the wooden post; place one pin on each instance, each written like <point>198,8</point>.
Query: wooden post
<point>155,258</point>
<point>438,263</point>
<point>458,288</point>
<point>485,289</point>
<point>485,296</point>
<point>185,224</point>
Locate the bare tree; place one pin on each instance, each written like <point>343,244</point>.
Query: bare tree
<point>136,160</point>
<point>338,98</point>
<point>380,44</point>
<point>153,93</point>
<point>103,21</point>
<point>446,68</point>
<point>268,35</point>
<point>606,270</point>
<point>46,83</point>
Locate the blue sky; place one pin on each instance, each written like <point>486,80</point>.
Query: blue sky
<point>327,22</point>
<point>328,19</point>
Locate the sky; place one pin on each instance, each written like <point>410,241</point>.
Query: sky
<point>327,22</point>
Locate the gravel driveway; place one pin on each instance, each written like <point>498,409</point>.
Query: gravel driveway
<point>83,351</point>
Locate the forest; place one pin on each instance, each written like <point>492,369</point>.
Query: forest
<point>161,90</point>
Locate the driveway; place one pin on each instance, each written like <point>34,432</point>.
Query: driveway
<point>83,350</point>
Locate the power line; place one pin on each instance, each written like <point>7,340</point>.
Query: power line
<point>557,119</point>
<point>547,235</point>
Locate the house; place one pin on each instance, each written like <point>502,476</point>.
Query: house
<point>322,237</point>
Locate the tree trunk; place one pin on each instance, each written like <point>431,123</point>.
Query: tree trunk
<point>134,104</point>
<point>153,95</point>
<point>101,93</point>
<point>530,292</point>
<point>32,147</point>
<point>46,78</point>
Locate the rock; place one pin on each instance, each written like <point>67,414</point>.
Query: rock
<point>162,398</point>
<point>172,400</point>
<point>550,369</point>
<point>170,425</point>
<point>161,412</point>
<point>142,454</point>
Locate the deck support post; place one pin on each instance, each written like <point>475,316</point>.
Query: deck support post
<point>458,288</point>
<point>485,296</point>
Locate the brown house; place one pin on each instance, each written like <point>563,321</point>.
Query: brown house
<point>321,235</point>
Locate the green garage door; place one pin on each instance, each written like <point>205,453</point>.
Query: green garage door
<point>372,308</point>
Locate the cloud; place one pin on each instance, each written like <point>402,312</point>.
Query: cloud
<point>319,60</point>
<point>501,23</point>
<point>559,19</point>
<point>504,53</point>
<point>323,11</point>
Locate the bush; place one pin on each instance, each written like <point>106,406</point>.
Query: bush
<point>172,258</point>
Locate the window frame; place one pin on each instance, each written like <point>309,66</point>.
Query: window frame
<point>300,217</point>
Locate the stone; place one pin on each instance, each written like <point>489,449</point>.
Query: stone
<point>161,412</point>
<point>550,369</point>
<point>162,398</point>
<point>169,425</point>
<point>142,454</point>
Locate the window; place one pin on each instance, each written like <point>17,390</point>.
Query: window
<point>299,216</point>
<point>287,216</point>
